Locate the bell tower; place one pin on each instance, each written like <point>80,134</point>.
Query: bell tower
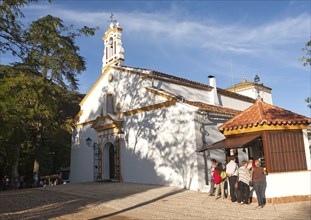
<point>114,52</point>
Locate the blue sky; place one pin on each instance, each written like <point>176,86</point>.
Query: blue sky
<point>194,39</point>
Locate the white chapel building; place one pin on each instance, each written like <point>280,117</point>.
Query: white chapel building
<point>142,126</point>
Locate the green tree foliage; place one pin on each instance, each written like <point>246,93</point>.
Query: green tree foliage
<point>11,27</point>
<point>51,44</point>
<point>34,121</point>
<point>308,100</point>
<point>306,60</point>
<point>46,45</point>
<point>38,98</point>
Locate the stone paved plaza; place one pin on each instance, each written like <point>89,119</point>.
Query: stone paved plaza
<point>134,201</point>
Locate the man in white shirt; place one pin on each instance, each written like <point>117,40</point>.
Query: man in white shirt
<point>232,173</point>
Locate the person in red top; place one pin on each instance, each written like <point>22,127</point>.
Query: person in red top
<point>251,163</point>
<point>218,181</point>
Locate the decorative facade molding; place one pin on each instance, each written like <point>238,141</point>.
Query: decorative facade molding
<point>150,108</point>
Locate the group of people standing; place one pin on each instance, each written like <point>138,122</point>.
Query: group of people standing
<point>242,180</point>
<point>7,183</point>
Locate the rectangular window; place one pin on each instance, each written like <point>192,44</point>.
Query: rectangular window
<point>110,104</point>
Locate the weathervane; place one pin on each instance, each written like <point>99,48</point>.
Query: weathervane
<point>111,19</point>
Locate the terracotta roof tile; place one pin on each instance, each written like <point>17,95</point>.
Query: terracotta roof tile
<point>262,113</point>
<point>213,108</point>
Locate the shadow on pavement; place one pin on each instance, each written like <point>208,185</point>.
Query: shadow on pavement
<point>71,199</point>
<point>139,205</point>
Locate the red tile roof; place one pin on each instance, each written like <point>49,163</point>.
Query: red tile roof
<point>262,113</point>
<point>213,108</point>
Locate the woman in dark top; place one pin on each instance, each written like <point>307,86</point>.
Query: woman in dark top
<point>258,182</point>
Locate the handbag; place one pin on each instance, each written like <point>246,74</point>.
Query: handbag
<point>223,175</point>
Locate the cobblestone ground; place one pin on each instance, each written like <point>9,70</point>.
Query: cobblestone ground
<point>134,201</point>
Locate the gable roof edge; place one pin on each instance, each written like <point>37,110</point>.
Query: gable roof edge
<point>95,84</point>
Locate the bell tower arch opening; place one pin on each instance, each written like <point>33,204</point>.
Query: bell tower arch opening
<point>110,48</point>
<point>113,52</point>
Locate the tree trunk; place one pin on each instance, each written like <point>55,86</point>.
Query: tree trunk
<point>36,164</point>
<point>14,173</point>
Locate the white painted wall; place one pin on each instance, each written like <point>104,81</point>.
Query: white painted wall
<point>96,100</point>
<point>82,156</point>
<point>288,184</point>
<point>188,93</point>
<point>160,148</point>
<point>252,92</point>
<point>128,88</point>
<point>194,94</point>
<point>236,104</point>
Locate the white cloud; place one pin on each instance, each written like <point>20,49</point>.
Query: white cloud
<point>270,38</point>
<point>239,38</point>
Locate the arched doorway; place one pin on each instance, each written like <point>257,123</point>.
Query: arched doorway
<point>109,161</point>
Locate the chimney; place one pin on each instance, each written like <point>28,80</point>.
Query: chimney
<point>214,96</point>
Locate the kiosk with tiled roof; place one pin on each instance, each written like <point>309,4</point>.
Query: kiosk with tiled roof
<point>276,136</point>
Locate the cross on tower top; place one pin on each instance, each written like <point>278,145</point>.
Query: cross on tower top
<point>111,19</point>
